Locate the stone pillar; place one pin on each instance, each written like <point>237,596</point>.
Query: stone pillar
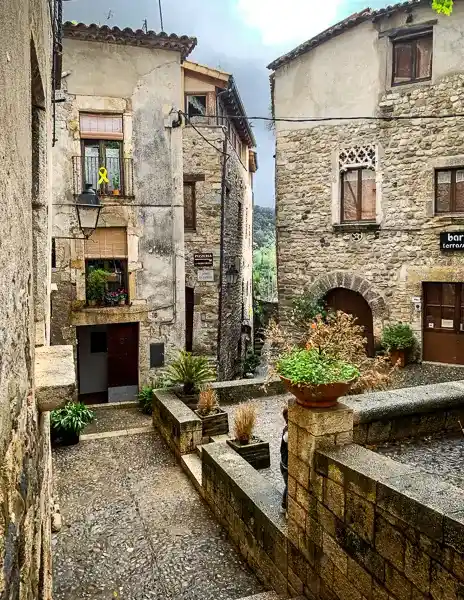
<point>308,494</point>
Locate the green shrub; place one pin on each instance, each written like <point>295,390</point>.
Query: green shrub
<point>251,362</point>
<point>96,284</point>
<point>311,367</point>
<point>145,398</point>
<point>398,337</point>
<point>306,308</point>
<point>71,418</point>
<point>190,371</point>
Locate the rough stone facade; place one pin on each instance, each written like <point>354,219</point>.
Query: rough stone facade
<point>387,262</point>
<point>25,125</point>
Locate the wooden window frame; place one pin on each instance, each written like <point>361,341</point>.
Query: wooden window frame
<point>412,39</point>
<point>359,218</point>
<point>452,208</point>
<point>103,190</point>
<point>192,184</point>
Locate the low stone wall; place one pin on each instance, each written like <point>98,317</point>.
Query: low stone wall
<point>249,509</point>
<point>407,412</point>
<point>241,390</point>
<point>178,425</point>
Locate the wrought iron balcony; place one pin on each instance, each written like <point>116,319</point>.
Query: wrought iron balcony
<point>115,178</point>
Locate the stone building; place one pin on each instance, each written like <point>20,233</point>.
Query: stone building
<point>218,218</point>
<point>369,191</point>
<point>29,74</point>
<point>120,129</point>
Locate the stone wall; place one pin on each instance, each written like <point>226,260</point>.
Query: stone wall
<point>179,426</point>
<point>25,79</point>
<point>393,259</point>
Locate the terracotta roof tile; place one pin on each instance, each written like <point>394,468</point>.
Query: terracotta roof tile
<point>114,35</point>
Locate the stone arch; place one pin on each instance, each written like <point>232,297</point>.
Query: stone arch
<point>351,281</point>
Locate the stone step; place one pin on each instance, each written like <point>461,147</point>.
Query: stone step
<point>191,463</point>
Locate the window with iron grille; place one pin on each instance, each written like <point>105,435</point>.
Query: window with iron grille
<point>449,190</point>
<point>189,206</point>
<point>412,58</point>
<point>358,195</point>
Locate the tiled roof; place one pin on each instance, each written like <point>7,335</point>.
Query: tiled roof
<point>127,36</point>
<point>348,23</point>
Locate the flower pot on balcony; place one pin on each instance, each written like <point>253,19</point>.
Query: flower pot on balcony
<point>116,193</point>
<point>92,303</point>
<point>122,303</point>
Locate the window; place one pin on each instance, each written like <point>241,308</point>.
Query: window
<point>102,146</point>
<point>156,356</point>
<point>358,195</point>
<point>115,292</point>
<point>98,342</point>
<point>449,190</point>
<point>196,106</point>
<point>189,206</point>
<point>53,253</point>
<point>240,219</point>
<point>412,59</point>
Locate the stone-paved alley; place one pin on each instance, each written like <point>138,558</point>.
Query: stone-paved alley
<point>134,528</point>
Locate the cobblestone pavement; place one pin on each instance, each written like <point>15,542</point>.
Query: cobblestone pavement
<point>269,426</point>
<point>134,528</point>
<point>442,456</point>
<point>114,418</point>
<point>424,374</point>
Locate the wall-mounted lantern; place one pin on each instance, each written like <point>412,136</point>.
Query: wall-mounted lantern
<point>88,207</point>
<point>232,274</point>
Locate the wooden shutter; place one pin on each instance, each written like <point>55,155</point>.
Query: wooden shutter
<point>101,127</point>
<point>107,242</point>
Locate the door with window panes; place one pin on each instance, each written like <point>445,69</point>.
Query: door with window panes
<point>443,322</point>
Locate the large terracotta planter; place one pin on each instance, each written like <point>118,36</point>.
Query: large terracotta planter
<point>318,396</point>
<point>398,357</point>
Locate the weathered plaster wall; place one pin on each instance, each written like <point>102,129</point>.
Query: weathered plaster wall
<point>387,265</point>
<point>144,85</point>
<point>25,570</point>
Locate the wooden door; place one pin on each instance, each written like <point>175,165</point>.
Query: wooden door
<point>443,323</point>
<point>123,354</point>
<point>354,304</point>
<point>189,309</point>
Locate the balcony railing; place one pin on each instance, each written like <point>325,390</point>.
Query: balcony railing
<point>118,177</point>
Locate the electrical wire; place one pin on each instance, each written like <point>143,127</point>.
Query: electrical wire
<point>189,121</point>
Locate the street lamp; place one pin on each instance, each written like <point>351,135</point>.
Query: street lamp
<point>232,274</point>
<point>88,209</point>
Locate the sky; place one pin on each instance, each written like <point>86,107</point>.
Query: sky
<point>238,36</point>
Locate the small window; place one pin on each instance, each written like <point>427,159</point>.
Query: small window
<point>412,59</point>
<point>189,206</point>
<point>196,106</point>
<point>156,356</point>
<point>449,191</point>
<point>98,342</point>
<point>358,195</point>
<point>53,253</point>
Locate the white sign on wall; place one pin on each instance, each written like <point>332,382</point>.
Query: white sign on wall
<point>205,275</point>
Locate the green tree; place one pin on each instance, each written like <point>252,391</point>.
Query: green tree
<point>444,7</point>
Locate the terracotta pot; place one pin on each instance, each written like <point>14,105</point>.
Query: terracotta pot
<point>116,192</point>
<point>318,396</point>
<point>398,357</point>
<point>122,303</point>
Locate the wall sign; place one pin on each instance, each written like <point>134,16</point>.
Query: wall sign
<point>452,240</point>
<point>205,275</point>
<point>203,259</point>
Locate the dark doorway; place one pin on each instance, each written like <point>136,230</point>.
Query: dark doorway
<point>354,304</point>
<point>189,308</point>
<point>123,355</point>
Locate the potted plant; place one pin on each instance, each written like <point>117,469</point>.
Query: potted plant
<point>116,184</point>
<point>190,372</point>
<point>96,285</point>
<point>111,298</point>
<point>251,448</point>
<point>122,297</point>
<point>314,377</point>
<point>214,420</point>
<point>68,422</point>
<point>398,340</point>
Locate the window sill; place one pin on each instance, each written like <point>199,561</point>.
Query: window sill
<point>105,307</point>
<point>356,226</point>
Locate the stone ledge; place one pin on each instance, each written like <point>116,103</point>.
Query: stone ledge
<point>240,390</point>
<point>55,376</point>
<point>178,425</point>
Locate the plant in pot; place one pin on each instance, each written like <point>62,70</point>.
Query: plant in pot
<point>398,340</point>
<point>111,298</point>
<point>96,286</point>
<point>116,184</point>
<point>68,422</point>
<point>191,372</point>
<point>215,421</point>
<point>251,448</point>
<point>122,297</point>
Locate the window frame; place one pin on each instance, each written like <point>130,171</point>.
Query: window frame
<point>192,185</point>
<point>452,209</point>
<point>85,141</point>
<point>411,39</point>
<point>191,94</point>
<point>359,218</point>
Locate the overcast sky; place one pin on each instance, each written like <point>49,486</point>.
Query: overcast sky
<point>239,36</point>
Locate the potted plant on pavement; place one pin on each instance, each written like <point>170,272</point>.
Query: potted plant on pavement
<point>96,285</point>
<point>398,340</point>
<point>215,421</point>
<point>191,372</point>
<point>251,448</point>
<point>68,422</point>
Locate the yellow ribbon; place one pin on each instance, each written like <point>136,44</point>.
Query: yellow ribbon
<point>103,176</point>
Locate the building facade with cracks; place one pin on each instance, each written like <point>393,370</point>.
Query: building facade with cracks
<point>370,197</point>
<point>122,129</point>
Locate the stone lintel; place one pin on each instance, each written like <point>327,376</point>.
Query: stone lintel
<point>55,376</point>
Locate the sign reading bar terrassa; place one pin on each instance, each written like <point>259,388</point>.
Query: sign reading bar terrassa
<point>452,240</point>
<point>203,259</point>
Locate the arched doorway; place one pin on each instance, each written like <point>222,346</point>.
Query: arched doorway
<point>354,304</point>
